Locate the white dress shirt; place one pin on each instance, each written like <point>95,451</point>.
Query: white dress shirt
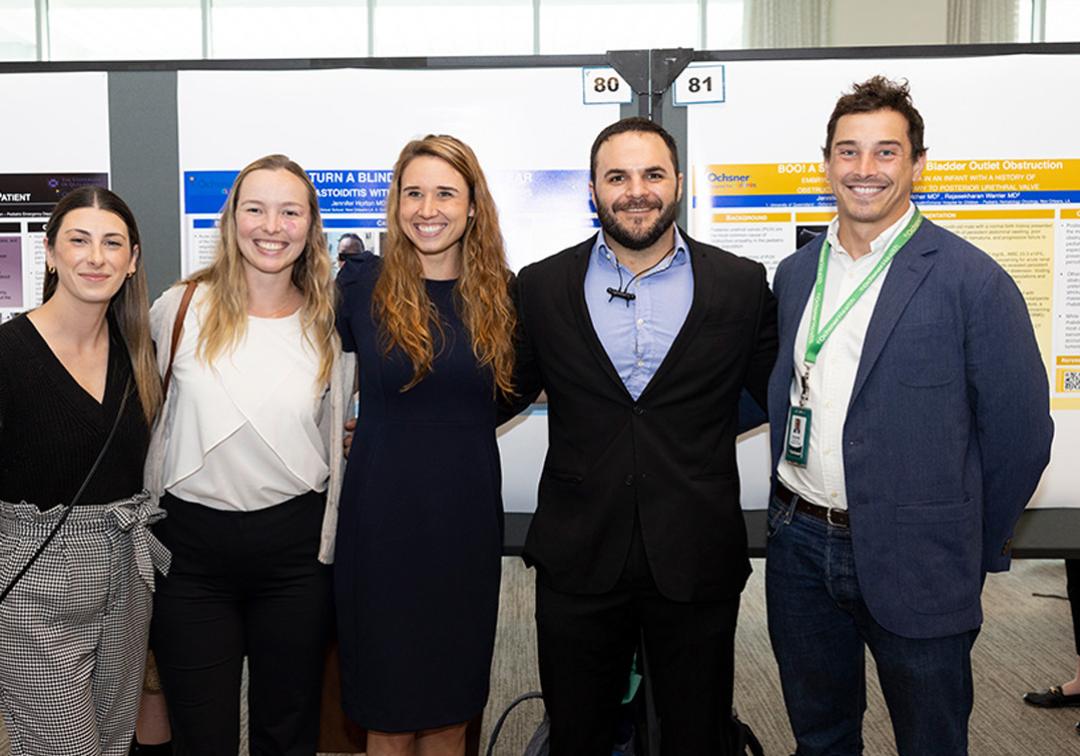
<point>832,377</point>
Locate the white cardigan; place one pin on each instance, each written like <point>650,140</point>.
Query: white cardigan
<point>163,316</point>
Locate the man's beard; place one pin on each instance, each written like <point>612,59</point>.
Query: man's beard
<point>633,238</point>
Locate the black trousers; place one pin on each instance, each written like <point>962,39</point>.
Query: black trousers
<point>242,584</point>
<point>1072,587</point>
<point>586,643</point>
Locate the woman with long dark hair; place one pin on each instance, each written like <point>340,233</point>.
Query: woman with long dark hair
<point>420,536</point>
<point>247,456</point>
<point>78,392</point>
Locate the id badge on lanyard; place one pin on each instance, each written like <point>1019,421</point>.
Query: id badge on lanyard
<point>797,437</point>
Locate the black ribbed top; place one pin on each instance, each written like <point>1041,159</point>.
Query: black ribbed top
<point>51,430</point>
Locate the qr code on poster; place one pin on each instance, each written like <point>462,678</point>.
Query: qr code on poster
<point>1070,380</point>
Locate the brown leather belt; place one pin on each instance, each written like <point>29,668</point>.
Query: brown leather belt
<point>838,518</point>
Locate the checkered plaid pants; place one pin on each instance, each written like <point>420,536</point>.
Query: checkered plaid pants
<point>73,631</point>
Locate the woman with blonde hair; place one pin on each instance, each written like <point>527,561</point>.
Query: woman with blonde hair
<point>247,457</point>
<point>78,393</point>
<point>420,537</point>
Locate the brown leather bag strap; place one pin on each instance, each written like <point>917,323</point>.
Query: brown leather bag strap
<point>177,329</point>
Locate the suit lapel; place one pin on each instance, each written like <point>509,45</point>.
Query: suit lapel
<point>576,288</point>
<point>793,284</point>
<point>906,273</point>
<point>792,306</point>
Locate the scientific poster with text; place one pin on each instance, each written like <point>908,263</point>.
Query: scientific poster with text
<point>1003,172</point>
<point>44,157</point>
<point>530,129</point>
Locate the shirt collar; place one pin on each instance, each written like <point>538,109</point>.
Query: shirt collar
<point>879,244</point>
<point>606,258</point>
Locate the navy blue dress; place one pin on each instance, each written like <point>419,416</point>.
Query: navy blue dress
<point>419,540</point>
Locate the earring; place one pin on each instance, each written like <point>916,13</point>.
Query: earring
<point>50,269</point>
<point>130,274</point>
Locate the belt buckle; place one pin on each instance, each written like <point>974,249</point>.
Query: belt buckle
<point>829,517</point>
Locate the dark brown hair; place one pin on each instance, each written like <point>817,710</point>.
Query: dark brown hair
<point>876,94</point>
<point>130,306</point>
<point>634,124</point>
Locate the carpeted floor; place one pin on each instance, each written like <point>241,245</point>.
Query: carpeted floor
<point>1026,643</point>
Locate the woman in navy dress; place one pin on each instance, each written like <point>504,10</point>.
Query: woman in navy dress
<point>420,530</point>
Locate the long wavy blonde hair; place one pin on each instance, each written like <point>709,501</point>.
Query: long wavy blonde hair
<point>130,306</point>
<point>407,317</point>
<point>226,313</point>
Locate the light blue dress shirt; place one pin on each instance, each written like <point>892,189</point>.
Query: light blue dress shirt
<point>638,334</point>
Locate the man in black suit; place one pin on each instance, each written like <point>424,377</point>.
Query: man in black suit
<point>643,339</point>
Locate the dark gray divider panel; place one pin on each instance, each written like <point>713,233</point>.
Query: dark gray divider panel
<point>651,74</point>
<point>144,152</point>
<point>673,119</point>
<point>665,66</point>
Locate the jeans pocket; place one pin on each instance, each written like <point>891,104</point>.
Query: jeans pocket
<point>777,516</point>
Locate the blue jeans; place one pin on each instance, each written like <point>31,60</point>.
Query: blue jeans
<point>820,626</point>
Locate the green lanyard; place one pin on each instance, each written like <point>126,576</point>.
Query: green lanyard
<point>815,338</point>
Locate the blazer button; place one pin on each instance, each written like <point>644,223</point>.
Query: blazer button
<point>629,480</point>
<point>638,410</point>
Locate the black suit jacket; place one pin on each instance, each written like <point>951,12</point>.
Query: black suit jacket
<point>670,456</point>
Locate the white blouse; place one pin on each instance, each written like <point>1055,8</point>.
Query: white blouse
<point>245,435</point>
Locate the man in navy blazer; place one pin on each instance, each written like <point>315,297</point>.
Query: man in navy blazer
<point>910,425</point>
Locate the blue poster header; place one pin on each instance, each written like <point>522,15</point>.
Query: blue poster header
<point>364,192</point>
<point>340,191</point>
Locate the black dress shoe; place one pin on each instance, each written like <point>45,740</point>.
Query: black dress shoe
<point>1052,698</point>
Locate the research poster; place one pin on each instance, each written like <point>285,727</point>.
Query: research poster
<point>530,129</point>
<point>1003,171</point>
<point>48,151</point>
